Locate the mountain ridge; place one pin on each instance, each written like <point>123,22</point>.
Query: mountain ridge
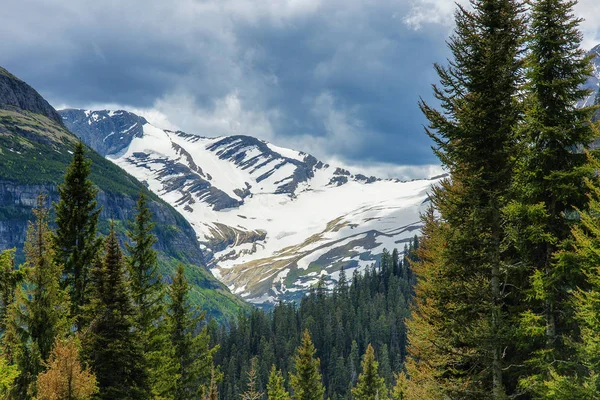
<point>272,220</point>
<point>35,149</point>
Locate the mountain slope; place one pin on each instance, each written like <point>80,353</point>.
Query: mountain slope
<point>593,82</point>
<point>35,148</point>
<point>272,220</point>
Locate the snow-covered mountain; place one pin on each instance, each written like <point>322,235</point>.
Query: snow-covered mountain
<point>272,220</point>
<point>593,82</point>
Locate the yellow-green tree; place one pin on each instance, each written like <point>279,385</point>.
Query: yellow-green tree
<point>275,386</point>
<point>306,379</point>
<point>370,386</point>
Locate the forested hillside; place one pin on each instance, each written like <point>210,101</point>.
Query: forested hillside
<point>35,150</point>
<point>360,310</point>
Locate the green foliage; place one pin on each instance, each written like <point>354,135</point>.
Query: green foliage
<point>39,315</point>
<point>306,378</point>
<point>111,346</point>
<point>205,291</point>
<point>193,355</point>
<point>370,386</point>
<point>10,279</point>
<point>549,181</point>
<point>559,382</point>
<point>368,308</point>
<point>148,296</point>
<point>46,305</point>
<point>76,243</point>
<point>462,333</point>
<point>276,386</point>
<point>8,374</point>
<point>400,389</point>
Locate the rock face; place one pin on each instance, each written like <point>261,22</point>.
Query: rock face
<point>35,149</point>
<point>104,131</point>
<point>16,93</point>
<point>273,221</point>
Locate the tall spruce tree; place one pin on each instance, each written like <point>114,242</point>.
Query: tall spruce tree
<point>39,315</point>
<point>76,243</point>
<point>46,305</point>
<point>370,386</point>
<point>193,355</point>
<point>148,294</point>
<point>460,330</point>
<point>111,344</point>
<point>549,182</point>
<point>306,379</point>
<point>561,383</point>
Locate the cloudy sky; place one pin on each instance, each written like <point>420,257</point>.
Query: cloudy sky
<point>337,78</point>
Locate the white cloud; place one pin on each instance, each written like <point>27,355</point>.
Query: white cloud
<point>589,10</point>
<point>389,171</point>
<point>441,12</point>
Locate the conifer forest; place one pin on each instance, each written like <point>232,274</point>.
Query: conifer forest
<point>495,297</point>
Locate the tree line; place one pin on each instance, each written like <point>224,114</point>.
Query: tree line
<point>361,315</point>
<point>86,318</point>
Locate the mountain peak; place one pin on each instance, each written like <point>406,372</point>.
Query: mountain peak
<point>272,220</point>
<point>14,93</point>
<point>106,131</point>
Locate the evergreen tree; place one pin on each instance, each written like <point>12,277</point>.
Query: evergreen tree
<point>561,383</point>
<point>461,329</point>
<point>306,380</point>
<point>46,305</point>
<point>191,343</point>
<point>10,279</point>
<point>110,343</point>
<point>275,387</point>
<point>345,320</point>
<point>148,299</point>
<point>8,374</point>
<point>370,386</point>
<point>399,391</point>
<point>212,393</point>
<point>252,392</point>
<point>385,367</point>
<point>75,241</point>
<point>39,315</point>
<point>65,378</point>
<point>549,181</point>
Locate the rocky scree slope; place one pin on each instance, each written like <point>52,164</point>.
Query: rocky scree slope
<point>35,149</point>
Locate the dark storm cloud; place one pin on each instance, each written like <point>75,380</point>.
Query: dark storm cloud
<point>336,78</point>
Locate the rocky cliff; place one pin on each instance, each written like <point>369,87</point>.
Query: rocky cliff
<point>36,147</point>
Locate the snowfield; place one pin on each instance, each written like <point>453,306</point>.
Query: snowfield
<point>272,221</point>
